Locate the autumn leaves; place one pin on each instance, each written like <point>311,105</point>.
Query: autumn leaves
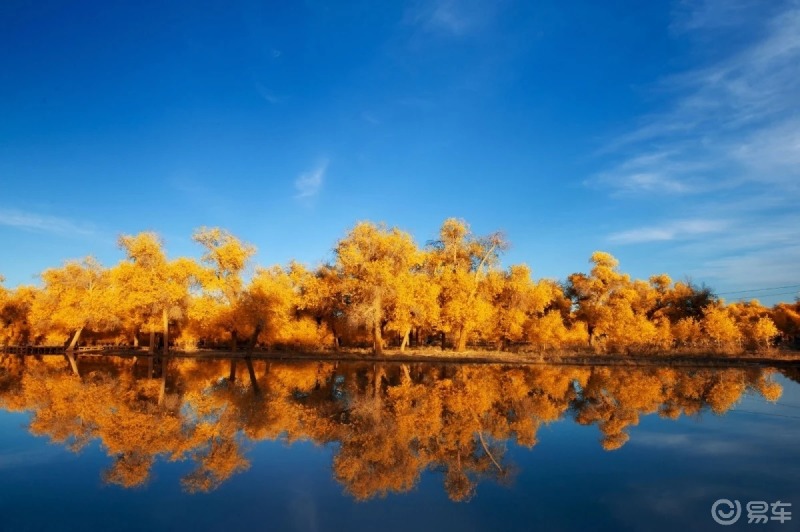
<point>381,290</point>
<point>389,422</point>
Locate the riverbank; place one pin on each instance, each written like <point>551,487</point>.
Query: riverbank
<point>776,357</point>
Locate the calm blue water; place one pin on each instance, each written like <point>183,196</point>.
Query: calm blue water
<point>665,477</point>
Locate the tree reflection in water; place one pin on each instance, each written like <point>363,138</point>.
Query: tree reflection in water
<point>392,422</point>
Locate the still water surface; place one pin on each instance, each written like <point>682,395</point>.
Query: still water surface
<point>392,447</point>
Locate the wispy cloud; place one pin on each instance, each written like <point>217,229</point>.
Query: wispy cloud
<point>370,118</point>
<point>14,458</point>
<point>723,144</point>
<point>455,18</point>
<point>675,230</point>
<point>308,184</point>
<point>731,120</point>
<point>653,172</point>
<point>31,221</point>
<point>201,194</point>
<point>694,15</point>
<point>693,444</point>
<point>268,95</point>
<point>761,248</point>
<point>761,269</point>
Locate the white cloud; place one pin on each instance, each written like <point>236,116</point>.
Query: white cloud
<point>370,118</point>
<point>451,17</point>
<point>446,16</point>
<point>644,180</point>
<point>733,120</point>
<point>676,230</point>
<point>772,154</point>
<point>41,222</point>
<point>268,95</point>
<point>210,198</point>
<point>693,15</point>
<point>759,250</point>
<point>687,443</point>
<point>308,184</point>
<point>721,158</point>
<point>14,458</point>
<point>758,269</point>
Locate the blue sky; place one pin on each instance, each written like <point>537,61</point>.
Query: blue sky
<point>667,133</point>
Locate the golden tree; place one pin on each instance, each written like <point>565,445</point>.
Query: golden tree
<point>516,301</point>
<point>270,305</point>
<point>754,323</point>
<point>150,287</point>
<point>459,262</point>
<point>320,297</point>
<point>763,332</point>
<point>688,332</point>
<point>375,266</point>
<point>786,317</point>
<point>15,308</point>
<point>75,297</point>
<point>415,304</point>
<point>226,258</point>
<point>622,314</point>
<point>720,328</point>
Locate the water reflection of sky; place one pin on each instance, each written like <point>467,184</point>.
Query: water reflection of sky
<point>665,478</point>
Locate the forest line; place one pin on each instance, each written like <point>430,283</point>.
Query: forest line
<point>381,290</point>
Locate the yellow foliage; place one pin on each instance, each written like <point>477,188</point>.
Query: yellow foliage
<point>378,271</point>
<point>459,263</point>
<point>388,423</point>
<point>720,328</point>
<point>380,289</point>
<point>77,296</point>
<point>688,332</point>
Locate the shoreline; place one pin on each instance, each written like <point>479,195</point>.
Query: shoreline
<point>778,358</point>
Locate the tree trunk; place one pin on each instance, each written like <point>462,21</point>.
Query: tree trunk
<point>165,325</point>
<point>406,373</point>
<point>377,378</point>
<point>377,317</point>
<point>250,346</point>
<point>254,339</point>
<point>150,362</point>
<point>162,393</point>
<point>443,340</point>
<point>252,371</point>
<point>234,340</point>
<point>75,339</point>
<point>488,453</point>
<point>404,343</point>
<point>377,341</point>
<point>461,344</point>
<point>232,374</point>
<point>136,338</point>
<point>71,351</point>
<point>335,334</point>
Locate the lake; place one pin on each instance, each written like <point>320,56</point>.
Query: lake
<point>362,446</point>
